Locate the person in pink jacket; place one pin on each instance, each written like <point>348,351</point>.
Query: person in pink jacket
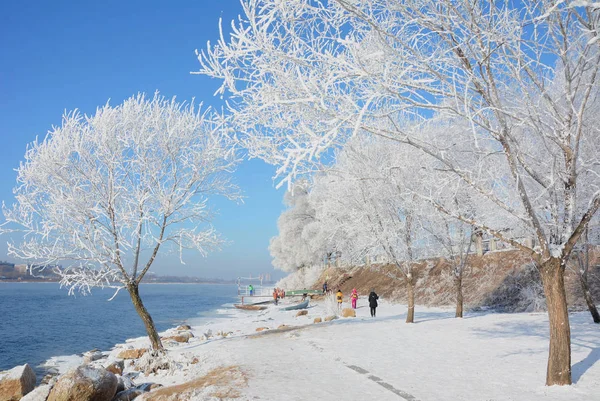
<point>354,298</point>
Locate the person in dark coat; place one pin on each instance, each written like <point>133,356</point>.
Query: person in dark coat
<point>373,297</point>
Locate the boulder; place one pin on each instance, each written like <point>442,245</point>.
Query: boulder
<point>330,318</point>
<point>124,383</point>
<point>85,384</point>
<point>132,353</point>
<point>317,320</point>
<point>152,364</point>
<point>177,338</point>
<point>51,377</point>
<point>116,367</point>
<point>128,395</point>
<point>180,337</point>
<point>92,356</point>
<point>348,312</point>
<point>38,394</point>
<point>17,382</point>
<point>302,313</point>
<point>183,327</point>
<point>262,328</point>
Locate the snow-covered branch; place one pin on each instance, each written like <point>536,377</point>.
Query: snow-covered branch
<point>103,193</point>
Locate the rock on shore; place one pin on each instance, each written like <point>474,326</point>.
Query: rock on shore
<point>132,353</point>
<point>348,312</point>
<point>38,394</point>
<point>85,384</point>
<point>16,383</point>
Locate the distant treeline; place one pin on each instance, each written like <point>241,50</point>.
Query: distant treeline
<point>12,272</point>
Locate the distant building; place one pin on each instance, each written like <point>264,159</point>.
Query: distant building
<point>7,268</point>
<point>10,271</point>
<point>21,269</point>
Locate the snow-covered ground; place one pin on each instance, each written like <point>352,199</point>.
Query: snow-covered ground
<point>481,357</point>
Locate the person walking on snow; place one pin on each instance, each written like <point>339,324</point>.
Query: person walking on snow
<point>275,295</point>
<point>354,298</point>
<point>373,297</point>
<point>339,297</point>
<point>251,289</point>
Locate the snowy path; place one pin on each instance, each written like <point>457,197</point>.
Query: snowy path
<point>288,365</point>
<point>482,357</point>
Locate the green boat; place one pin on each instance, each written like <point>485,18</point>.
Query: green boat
<point>302,292</point>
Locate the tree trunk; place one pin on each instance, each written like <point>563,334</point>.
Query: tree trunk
<point>410,314</point>
<point>559,358</point>
<point>588,298</point>
<point>459,296</point>
<point>146,318</point>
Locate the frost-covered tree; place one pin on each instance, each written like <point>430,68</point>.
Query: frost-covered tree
<point>455,240</point>
<point>295,246</point>
<point>303,76</point>
<point>365,197</point>
<point>586,252</point>
<point>584,256</point>
<point>103,194</point>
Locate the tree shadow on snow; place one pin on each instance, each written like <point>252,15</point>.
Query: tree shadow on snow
<point>366,319</point>
<point>422,317</point>
<point>579,368</point>
<point>583,336</point>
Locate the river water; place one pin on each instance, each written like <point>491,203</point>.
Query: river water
<point>39,320</point>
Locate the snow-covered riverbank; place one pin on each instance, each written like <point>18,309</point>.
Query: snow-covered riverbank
<point>481,357</point>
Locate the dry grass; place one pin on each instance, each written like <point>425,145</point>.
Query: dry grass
<point>227,381</point>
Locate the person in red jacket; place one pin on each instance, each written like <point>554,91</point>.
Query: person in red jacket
<point>354,298</point>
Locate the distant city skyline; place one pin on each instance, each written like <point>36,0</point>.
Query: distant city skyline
<point>72,55</point>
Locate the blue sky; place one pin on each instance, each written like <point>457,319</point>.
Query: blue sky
<point>65,54</point>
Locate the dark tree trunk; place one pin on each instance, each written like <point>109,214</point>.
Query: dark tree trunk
<point>559,358</point>
<point>588,297</point>
<point>410,286</point>
<point>146,318</point>
<point>459,296</point>
<point>583,260</point>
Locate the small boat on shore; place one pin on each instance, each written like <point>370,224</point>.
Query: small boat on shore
<point>300,305</point>
<point>250,307</point>
<point>270,301</point>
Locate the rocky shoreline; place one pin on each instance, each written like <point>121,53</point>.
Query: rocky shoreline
<point>132,371</point>
<point>110,376</point>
